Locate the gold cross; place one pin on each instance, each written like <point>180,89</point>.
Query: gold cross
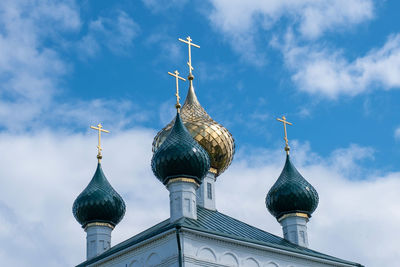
<point>284,121</point>
<point>99,128</point>
<point>189,42</point>
<point>176,75</point>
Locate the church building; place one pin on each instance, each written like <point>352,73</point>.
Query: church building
<point>189,154</point>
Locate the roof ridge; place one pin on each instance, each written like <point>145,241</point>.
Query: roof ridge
<point>209,221</point>
<point>284,243</point>
<point>239,221</point>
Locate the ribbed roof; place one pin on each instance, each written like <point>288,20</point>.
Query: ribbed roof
<point>291,193</point>
<point>219,224</point>
<point>180,156</point>
<point>99,202</point>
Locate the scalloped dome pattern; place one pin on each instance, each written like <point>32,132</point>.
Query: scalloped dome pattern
<point>99,202</point>
<point>212,136</point>
<point>180,156</point>
<point>291,193</point>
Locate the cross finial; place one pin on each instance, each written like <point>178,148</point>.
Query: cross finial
<point>177,77</point>
<point>189,43</point>
<point>100,129</point>
<point>284,121</point>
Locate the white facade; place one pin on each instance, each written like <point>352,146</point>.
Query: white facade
<point>160,250</point>
<point>202,249</point>
<point>206,192</point>
<point>294,228</point>
<point>98,239</point>
<point>182,199</point>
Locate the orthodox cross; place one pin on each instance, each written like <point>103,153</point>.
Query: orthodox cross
<point>100,129</point>
<point>284,121</point>
<point>189,43</point>
<point>176,75</point>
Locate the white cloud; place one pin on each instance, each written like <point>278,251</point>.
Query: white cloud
<point>166,113</point>
<point>328,73</point>
<point>312,18</point>
<point>318,69</point>
<point>42,175</point>
<point>163,5</point>
<point>352,216</point>
<point>171,49</point>
<point>246,22</point>
<point>44,172</point>
<point>318,17</point>
<point>117,34</point>
<point>346,161</point>
<point>29,72</point>
<point>397,134</point>
<point>64,14</point>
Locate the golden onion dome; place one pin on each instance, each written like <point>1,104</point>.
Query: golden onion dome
<point>211,135</point>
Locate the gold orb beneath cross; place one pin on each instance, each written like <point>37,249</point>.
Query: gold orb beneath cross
<point>212,136</point>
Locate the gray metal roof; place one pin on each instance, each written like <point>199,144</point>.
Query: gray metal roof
<point>219,224</point>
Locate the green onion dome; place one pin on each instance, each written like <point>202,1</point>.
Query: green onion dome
<point>212,136</point>
<point>180,156</point>
<point>291,193</point>
<point>99,202</point>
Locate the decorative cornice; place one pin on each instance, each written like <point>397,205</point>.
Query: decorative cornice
<point>182,179</point>
<point>295,214</point>
<point>213,170</point>
<point>99,224</point>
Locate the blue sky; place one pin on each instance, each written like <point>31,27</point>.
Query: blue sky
<point>247,73</point>
<point>332,68</point>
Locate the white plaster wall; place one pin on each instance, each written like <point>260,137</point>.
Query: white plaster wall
<point>201,250</point>
<point>162,251</point>
<point>202,193</point>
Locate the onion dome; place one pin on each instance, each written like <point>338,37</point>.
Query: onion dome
<point>180,156</point>
<point>212,136</point>
<point>99,202</point>
<point>291,193</point>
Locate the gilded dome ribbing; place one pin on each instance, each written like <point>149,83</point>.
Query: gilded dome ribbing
<point>291,193</point>
<point>212,136</point>
<point>99,202</point>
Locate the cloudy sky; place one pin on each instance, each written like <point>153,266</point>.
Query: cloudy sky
<point>332,67</point>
